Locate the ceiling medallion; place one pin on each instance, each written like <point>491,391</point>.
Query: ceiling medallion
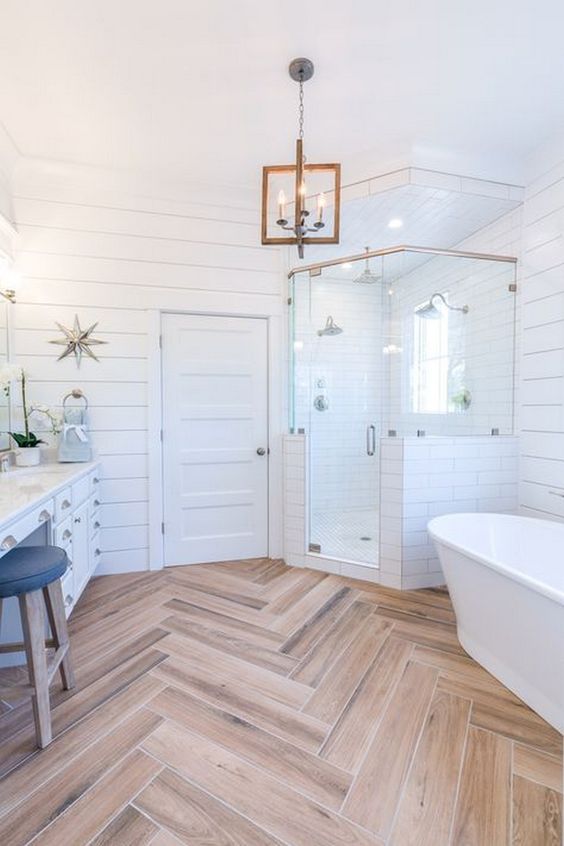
<point>312,216</point>
<point>77,341</point>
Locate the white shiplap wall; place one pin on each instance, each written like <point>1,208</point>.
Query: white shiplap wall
<point>542,384</point>
<point>111,257</point>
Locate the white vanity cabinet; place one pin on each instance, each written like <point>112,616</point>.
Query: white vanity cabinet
<point>55,504</point>
<point>71,529</point>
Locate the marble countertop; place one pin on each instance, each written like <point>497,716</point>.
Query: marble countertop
<point>23,488</point>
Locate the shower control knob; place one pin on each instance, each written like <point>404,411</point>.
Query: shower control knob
<point>261,451</point>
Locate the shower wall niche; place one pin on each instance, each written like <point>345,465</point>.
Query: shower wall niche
<point>396,344</point>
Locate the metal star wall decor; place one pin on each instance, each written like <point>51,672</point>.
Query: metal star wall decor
<point>77,341</point>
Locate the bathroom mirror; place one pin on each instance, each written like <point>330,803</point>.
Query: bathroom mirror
<point>4,358</point>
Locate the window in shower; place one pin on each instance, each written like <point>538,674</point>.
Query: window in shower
<point>430,369</point>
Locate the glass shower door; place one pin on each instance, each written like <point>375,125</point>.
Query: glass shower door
<point>338,350</point>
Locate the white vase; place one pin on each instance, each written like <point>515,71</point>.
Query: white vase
<point>28,456</point>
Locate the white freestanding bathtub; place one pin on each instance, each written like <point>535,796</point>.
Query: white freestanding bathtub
<point>505,575</point>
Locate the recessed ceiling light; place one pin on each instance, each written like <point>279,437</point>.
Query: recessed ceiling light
<point>395,223</point>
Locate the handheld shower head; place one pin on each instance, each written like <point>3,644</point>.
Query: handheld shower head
<point>330,328</point>
<point>429,311</point>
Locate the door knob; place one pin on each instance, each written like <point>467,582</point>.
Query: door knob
<point>261,451</point>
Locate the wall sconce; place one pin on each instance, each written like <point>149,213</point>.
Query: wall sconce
<point>9,294</point>
<point>312,216</point>
<point>8,279</point>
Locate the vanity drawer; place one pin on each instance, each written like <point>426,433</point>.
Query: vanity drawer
<point>62,534</point>
<point>80,491</point>
<point>67,584</point>
<point>94,513</point>
<point>63,504</point>
<point>94,481</point>
<point>20,529</point>
<point>95,524</point>
<point>95,552</point>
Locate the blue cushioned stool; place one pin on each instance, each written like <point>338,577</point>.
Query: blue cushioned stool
<point>33,574</point>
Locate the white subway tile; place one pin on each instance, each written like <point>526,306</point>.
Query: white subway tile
<point>427,495</point>
<point>413,566</point>
<point>454,507</point>
<point>422,580</point>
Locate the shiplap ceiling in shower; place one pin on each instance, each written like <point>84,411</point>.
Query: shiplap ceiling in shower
<point>431,217</point>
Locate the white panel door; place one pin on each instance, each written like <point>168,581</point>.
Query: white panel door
<point>215,438</point>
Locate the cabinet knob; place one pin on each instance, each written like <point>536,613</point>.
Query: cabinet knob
<point>68,600</point>
<point>67,534</point>
<point>96,503</point>
<point>65,504</point>
<point>96,525</point>
<point>8,542</point>
<point>44,516</point>
<point>77,519</point>
<point>97,552</point>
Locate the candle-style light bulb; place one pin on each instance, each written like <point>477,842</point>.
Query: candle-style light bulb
<point>321,202</point>
<point>281,205</point>
<point>302,192</point>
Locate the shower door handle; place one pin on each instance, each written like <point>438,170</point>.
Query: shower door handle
<point>370,440</point>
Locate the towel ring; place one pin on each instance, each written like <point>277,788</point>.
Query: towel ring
<point>76,393</point>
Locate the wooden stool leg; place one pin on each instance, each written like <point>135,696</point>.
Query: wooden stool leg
<point>33,625</point>
<point>54,603</point>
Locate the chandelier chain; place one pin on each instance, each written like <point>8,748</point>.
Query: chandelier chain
<point>301,112</point>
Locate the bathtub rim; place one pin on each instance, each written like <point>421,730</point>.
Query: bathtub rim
<point>433,528</point>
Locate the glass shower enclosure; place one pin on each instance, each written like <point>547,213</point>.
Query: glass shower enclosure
<point>394,343</point>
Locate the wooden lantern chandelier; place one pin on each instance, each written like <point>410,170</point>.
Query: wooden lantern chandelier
<point>313,215</point>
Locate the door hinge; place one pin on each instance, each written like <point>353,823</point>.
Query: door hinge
<point>162,528</point>
<point>160,342</point>
<point>289,300</point>
<point>161,435</point>
<point>512,288</point>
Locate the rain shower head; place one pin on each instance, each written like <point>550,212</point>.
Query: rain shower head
<point>330,328</point>
<point>429,311</point>
<point>367,277</point>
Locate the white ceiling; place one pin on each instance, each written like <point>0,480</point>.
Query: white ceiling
<point>199,89</point>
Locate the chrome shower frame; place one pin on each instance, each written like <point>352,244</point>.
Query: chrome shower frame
<point>317,268</point>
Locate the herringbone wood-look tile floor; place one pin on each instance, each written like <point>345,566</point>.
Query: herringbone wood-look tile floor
<point>246,704</point>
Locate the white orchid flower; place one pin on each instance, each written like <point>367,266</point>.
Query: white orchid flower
<point>10,373</point>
